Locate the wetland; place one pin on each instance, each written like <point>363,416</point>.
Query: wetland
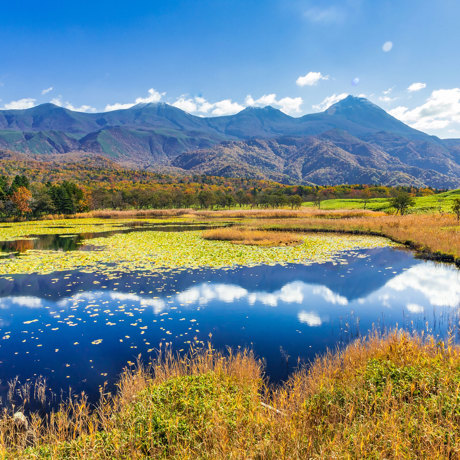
<point>82,298</point>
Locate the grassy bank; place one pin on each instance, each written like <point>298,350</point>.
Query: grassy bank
<point>434,235</point>
<point>391,397</point>
<point>440,202</point>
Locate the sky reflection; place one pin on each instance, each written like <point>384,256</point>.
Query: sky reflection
<point>82,330</point>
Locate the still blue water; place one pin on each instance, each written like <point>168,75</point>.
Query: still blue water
<point>80,329</point>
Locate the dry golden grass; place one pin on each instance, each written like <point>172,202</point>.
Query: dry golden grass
<point>238,235</point>
<point>128,213</point>
<point>430,233</point>
<point>285,213</point>
<point>384,397</point>
<point>227,214</point>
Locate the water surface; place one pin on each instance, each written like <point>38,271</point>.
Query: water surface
<point>80,329</point>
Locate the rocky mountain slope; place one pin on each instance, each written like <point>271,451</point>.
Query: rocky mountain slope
<point>352,141</point>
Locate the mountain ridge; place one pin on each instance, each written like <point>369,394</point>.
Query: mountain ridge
<point>352,140</point>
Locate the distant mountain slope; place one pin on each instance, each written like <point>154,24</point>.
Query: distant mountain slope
<point>309,159</point>
<point>352,141</point>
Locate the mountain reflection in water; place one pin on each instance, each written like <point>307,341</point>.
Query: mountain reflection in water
<point>79,329</point>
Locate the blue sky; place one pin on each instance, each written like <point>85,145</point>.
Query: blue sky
<point>216,57</point>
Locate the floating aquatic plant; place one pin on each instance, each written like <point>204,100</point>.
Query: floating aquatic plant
<point>150,251</point>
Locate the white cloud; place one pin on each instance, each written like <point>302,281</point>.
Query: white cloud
<point>330,296</point>
<point>386,96</point>
<point>416,87</point>
<point>118,106</point>
<point>24,103</point>
<point>154,96</point>
<point>226,107</point>
<point>328,15</point>
<point>311,79</point>
<point>439,284</point>
<point>414,308</point>
<point>387,46</point>
<point>289,105</point>
<point>311,318</point>
<point>328,101</point>
<point>188,105</point>
<point>441,109</point>
<point>83,108</point>
<point>200,106</point>
<point>158,305</point>
<point>385,299</point>
<point>47,90</point>
<point>387,99</point>
<point>21,301</point>
<point>206,293</point>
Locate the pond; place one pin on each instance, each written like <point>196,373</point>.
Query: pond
<point>78,328</point>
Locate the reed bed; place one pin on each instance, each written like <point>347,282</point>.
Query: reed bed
<point>228,214</point>
<point>434,235</point>
<point>133,213</point>
<point>393,396</point>
<point>240,235</point>
<point>287,213</point>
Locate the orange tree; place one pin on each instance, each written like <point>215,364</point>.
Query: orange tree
<point>21,198</point>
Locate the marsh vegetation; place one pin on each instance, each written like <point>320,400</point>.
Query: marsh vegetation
<point>393,396</point>
<point>288,284</point>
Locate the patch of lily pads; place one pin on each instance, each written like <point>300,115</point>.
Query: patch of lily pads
<point>11,231</point>
<point>151,251</point>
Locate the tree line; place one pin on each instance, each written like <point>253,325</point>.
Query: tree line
<point>21,197</point>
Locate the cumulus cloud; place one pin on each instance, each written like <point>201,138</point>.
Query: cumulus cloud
<point>21,301</point>
<point>200,106</point>
<point>83,108</point>
<point>24,103</point>
<point>206,293</point>
<point>47,90</point>
<point>311,79</point>
<point>188,105</point>
<point>289,105</point>
<point>328,101</point>
<point>153,96</point>
<point>416,87</point>
<point>226,107</point>
<point>311,318</point>
<point>441,109</point>
<point>330,296</point>
<point>439,285</point>
<point>387,46</point>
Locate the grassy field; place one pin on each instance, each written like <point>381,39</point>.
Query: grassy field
<point>383,397</point>
<point>441,202</point>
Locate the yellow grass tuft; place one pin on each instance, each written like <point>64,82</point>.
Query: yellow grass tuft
<point>238,235</point>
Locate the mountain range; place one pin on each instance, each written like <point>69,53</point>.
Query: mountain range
<point>353,141</point>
